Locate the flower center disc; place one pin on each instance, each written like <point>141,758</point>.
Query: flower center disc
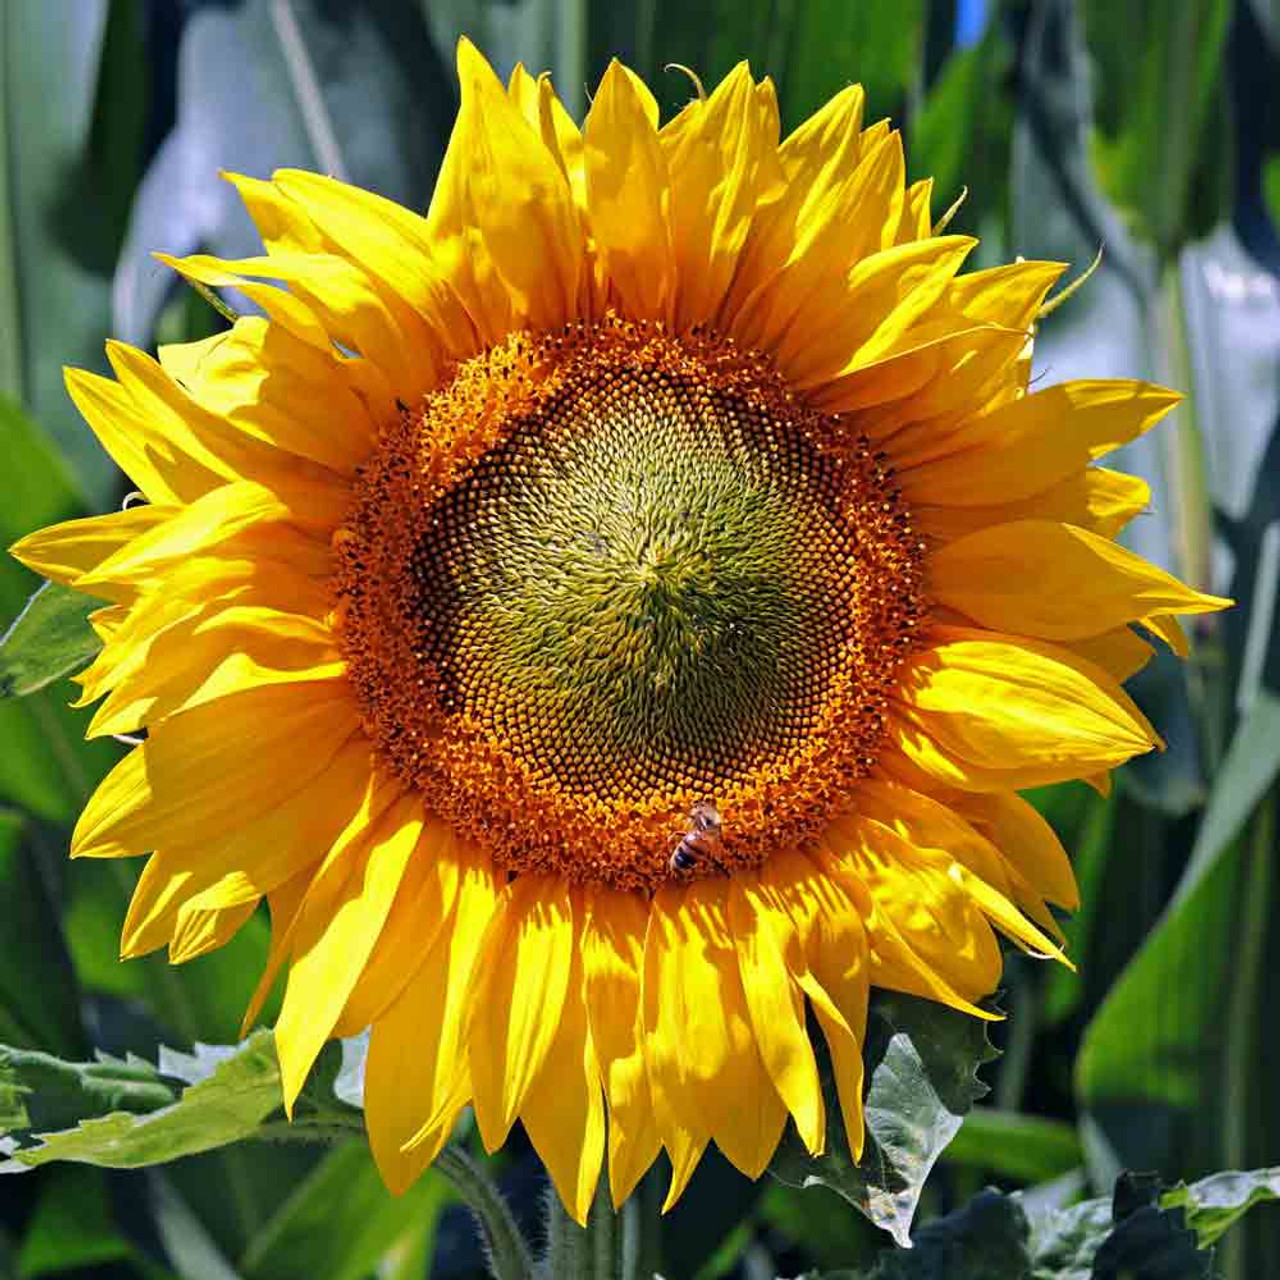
<point>605,576</point>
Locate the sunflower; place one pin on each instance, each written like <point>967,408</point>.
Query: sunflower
<point>609,619</point>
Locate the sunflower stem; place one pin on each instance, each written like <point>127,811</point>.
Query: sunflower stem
<point>505,1249</point>
<point>604,1250</point>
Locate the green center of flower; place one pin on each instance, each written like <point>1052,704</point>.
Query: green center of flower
<point>647,586</point>
<point>606,578</point>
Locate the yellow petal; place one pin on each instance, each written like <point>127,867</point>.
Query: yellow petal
<point>499,186</point>
<point>927,906</point>
<point>444,1010</point>
<point>393,245</point>
<point>923,359</point>
<point>629,197</point>
<point>1030,444</point>
<point>1028,841</point>
<point>334,936</point>
<point>1170,630</point>
<point>927,823</point>
<point>286,309</point>
<point>718,154</point>
<point>1008,295</point>
<point>613,953</point>
<point>1096,499</point>
<point>816,160</point>
<point>400,1068</point>
<point>1054,581</point>
<point>832,134</point>
<point>256,858</point>
<point>349,304</point>
<point>833,970</point>
<point>205,444</point>
<point>916,222</point>
<point>282,223</point>
<point>157,452</point>
<point>209,656</point>
<point>857,321</point>
<point>1121,653</point>
<point>219,517</point>
<point>198,590</point>
<point>192,775</point>
<point>695,1011</point>
<point>421,909</point>
<point>892,960</point>
<point>65,551</point>
<point>524,974</point>
<point>838,221</point>
<point>768,953</point>
<point>284,903</point>
<point>984,712</point>
<point>278,389</point>
<point>197,932</point>
<point>416,1066</point>
<point>563,1112</point>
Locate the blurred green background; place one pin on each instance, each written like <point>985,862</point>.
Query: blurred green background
<point>1149,126</point>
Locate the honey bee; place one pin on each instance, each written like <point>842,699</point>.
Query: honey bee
<point>702,840</point>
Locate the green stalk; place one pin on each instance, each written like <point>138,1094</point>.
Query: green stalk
<point>12,350</point>
<point>505,1249</point>
<point>1183,454</point>
<point>606,1238</point>
<point>570,18</point>
<point>1016,1064</point>
<point>606,1249</point>
<point>568,1255</point>
<point>1241,1089</point>
<point>1184,445</point>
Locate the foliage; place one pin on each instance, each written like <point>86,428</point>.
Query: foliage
<point>920,1062</point>
<point>1146,127</point>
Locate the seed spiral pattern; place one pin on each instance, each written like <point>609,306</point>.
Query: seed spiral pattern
<point>607,573</point>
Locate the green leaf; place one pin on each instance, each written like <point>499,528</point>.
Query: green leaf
<point>202,999</point>
<point>975,156</point>
<point>1250,769</point>
<point>49,639</point>
<point>543,34</point>
<point>341,1222</point>
<point>1271,187</point>
<point>1147,1241</point>
<point>72,1225</point>
<point>234,1089</point>
<point>832,43</point>
<point>72,126</point>
<point>38,491</point>
<point>1169,1082</point>
<point>1144,1231</point>
<point>191,1246</point>
<point>1214,1203</point>
<point>1140,1232</point>
<point>355,91</point>
<point>986,1240</point>
<point>1022,1147</point>
<point>1160,94</point>
<point>921,1060</point>
<point>43,1013</point>
<point>47,1094</point>
<point>45,767</point>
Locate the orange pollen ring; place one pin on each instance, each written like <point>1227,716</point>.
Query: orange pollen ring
<point>624,607</point>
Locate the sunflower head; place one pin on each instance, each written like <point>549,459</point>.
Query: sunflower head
<point>610,619</point>
<point>605,572</point>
